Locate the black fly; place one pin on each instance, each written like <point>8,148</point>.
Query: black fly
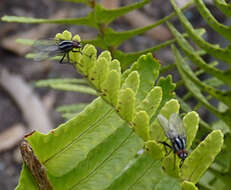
<point>174,130</point>
<point>45,49</point>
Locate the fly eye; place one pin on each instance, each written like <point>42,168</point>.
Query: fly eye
<point>184,155</point>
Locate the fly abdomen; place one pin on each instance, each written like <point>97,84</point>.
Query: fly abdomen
<point>178,144</point>
<point>65,45</point>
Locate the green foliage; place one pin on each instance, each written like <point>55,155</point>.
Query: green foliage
<point>141,125</point>
<point>107,38</point>
<point>126,104</point>
<point>112,143</point>
<point>197,163</point>
<point>75,85</point>
<point>105,150</point>
<point>206,90</point>
<point>69,111</point>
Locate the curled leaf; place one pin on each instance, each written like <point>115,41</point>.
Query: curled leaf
<point>100,72</point>
<point>126,104</point>
<point>191,123</point>
<point>115,65</point>
<point>105,54</point>
<point>141,125</point>
<point>87,60</point>
<point>111,87</point>
<point>132,81</point>
<point>152,101</point>
<point>154,149</point>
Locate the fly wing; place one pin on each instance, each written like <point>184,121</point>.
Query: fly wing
<point>45,49</point>
<point>168,129</point>
<point>177,125</point>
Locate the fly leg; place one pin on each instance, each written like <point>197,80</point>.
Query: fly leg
<point>181,163</point>
<point>167,153</point>
<point>166,145</point>
<point>174,162</point>
<point>61,60</point>
<point>75,51</point>
<point>68,58</point>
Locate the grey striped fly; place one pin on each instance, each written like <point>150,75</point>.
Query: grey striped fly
<point>174,130</point>
<point>46,49</point>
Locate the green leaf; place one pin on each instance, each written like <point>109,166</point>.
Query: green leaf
<point>74,85</point>
<point>192,87</point>
<point>168,86</point>
<point>114,39</point>
<point>24,41</point>
<point>112,167</point>
<point>78,21</point>
<point>101,161</point>
<point>144,173</point>
<point>111,87</point>
<point>141,125</point>
<point>126,104</point>
<point>104,16</point>
<point>132,81</point>
<point>127,59</point>
<point>202,157</point>
<point>171,165</point>
<point>26,180</point>
<point>87,60</point>
<point>214,50</point>
<point>222,163</point>
<point>99,73</point>
<point>223,6</point>
<point>96,109</point>
<point>212,22</point>
<point>48,82</point>
<point>170,107</point>
<point>196,59</point>
<point>191,123</point>
<point>152,101</point>
<point>168,183</point>
<point>154,149</point>
<point>115,64</point>
<point>187,185</point>
<point>189,84</point>
<point>73,88</point>
<point>80,148</point>
<point>135,172</point>
<point>143,66</point>
<point>214,180</point>
<point>105,54</point>
<point>69,111</point>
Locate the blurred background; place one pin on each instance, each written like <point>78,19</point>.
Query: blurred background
<point>23,107</point>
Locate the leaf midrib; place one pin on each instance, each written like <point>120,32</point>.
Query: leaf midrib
<point>98,121</point>
<point>109,156</point>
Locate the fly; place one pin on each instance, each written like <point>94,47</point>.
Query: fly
<point>174,130</point>
<point>45,49</point>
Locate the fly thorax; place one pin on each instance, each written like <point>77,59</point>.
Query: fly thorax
<point>65,45</point>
